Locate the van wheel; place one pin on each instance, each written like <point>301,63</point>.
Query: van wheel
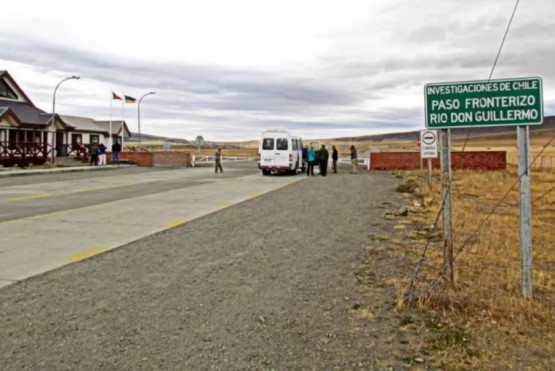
<point>266,172</point>
<point>294,171</point>
<point>296,168</point>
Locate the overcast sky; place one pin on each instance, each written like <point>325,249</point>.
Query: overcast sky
<point>228,69</point>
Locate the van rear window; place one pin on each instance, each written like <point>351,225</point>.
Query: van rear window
<point>268,143</point>
<point>281,144</point>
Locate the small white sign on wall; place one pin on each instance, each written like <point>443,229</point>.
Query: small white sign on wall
<point>428,143</point>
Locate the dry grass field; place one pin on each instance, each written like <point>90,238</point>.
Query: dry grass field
<point>538,140</point>
<point>484,322</point>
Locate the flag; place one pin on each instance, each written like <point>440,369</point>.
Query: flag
<point>115,96</point>
<point>129,99</point>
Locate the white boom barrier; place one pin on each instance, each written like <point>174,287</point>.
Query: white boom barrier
<point>199,160</point>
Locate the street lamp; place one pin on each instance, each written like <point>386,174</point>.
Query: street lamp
<point>139,114</point>
<point>54,113</point>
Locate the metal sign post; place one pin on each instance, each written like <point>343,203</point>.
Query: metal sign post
<point>428,149</point>
<point>446,205</point>
<point>525,210</point>
<point>507,102</point>
<point>430,174</point>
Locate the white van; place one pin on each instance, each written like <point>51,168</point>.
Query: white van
<point>280,151</point>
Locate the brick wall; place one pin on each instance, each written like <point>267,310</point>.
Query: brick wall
<point>150,159</point>
<point>485,160</point>
<point>175,158</point>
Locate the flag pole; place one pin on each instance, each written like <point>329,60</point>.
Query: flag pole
<point>110,133</point>
<point>122,124</point>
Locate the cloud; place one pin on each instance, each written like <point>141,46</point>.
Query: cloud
<point>361,75</point>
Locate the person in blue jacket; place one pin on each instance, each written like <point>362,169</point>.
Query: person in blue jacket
<point>102,154</point>
<point>305,154</point>
<point>311,158</point>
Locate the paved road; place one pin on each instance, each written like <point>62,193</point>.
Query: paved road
<point>45,225</point>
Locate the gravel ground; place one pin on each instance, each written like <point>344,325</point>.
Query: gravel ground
<point>283,281</point>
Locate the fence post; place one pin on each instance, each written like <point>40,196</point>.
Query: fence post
<point>446,204</point>
<point>525,210</point>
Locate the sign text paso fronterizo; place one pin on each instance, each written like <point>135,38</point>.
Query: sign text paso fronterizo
<point>505,102</point>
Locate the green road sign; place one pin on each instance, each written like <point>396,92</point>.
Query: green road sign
<point>507,102</point>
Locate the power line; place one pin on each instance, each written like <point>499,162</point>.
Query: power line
<point>408,295</point>
<point>503,41</point>
<point>544,194</point>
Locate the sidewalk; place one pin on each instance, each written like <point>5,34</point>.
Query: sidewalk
<point>64,222</point>
<point>61,169</point>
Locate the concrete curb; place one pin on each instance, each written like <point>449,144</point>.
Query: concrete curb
<point>70,169</point>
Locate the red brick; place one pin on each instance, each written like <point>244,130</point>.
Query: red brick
<point>484,160</point>
<point>150,159</point>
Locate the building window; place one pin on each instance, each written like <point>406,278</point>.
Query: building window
<point>76,139</point>
<point>94,139</point>
<point>6,91</point>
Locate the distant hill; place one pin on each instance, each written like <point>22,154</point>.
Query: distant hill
<point>154,138</point>
<point>548,125</point>
<point>408,136</point>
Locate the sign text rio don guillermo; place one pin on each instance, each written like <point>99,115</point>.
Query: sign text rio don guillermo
<point>513,102</point>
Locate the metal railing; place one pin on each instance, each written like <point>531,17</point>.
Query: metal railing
<point>200,160</point>
<point>543,162</point>
<point>347,160</point>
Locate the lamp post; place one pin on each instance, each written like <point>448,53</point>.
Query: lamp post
<point>139,114</point>
<point>54,112</point>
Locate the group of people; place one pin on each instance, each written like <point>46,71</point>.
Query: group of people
<point>320,157</point>
<point>97,154</point>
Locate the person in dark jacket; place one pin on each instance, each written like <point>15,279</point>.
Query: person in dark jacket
<point>354,160</point>
<point>323,156</point>
<point>218,160</point>
<point>334,157</point>
<point>116,149</point>
<point>93,153</point>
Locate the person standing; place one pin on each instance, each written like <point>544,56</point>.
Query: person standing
<point>93,153</point>
<point>323,156</point>
<point>116,149</point>
<point>102,154</point>
<point>218,160</point>
<point>310,158</point>
<point>334,157</point>
<point>305,157</point>
<point>354,160</point>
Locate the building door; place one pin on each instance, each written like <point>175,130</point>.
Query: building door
<point>61,149</point>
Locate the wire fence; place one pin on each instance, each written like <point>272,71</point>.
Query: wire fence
<point>540,160</point>
<point>543,162</point>
<point>412,293</point>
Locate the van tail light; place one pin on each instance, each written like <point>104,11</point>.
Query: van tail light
<point>258,157</point>
<point>290,158</point>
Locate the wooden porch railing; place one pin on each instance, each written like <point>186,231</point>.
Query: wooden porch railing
<point>24,153</point>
